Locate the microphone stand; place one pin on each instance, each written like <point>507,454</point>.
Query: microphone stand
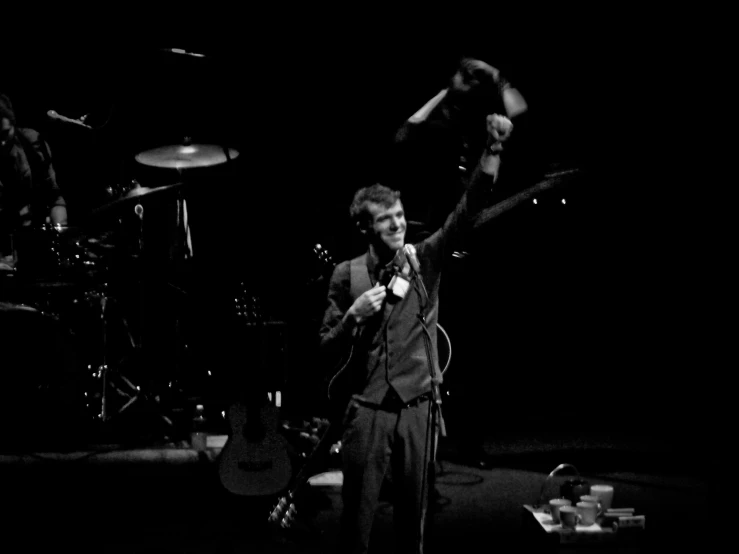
<point>434,416</point>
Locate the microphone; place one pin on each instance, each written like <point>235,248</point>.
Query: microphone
<point>399,280</point>
<point>58,117</point>
<point>399,259</point>
<point>183,52</point>
<point>410,254</point>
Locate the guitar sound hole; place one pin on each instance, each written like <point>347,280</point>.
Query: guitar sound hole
<point>254,432</point>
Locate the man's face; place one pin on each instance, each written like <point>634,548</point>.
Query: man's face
<point>388,226</point>
<point>7,132</point>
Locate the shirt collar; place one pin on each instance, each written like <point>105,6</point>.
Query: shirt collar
<point>374,266</point>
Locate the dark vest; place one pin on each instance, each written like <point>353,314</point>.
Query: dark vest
<point>376,342</point>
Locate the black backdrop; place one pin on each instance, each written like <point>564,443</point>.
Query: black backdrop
<point>556,301</point>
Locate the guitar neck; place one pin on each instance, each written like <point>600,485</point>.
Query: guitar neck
<point>284,507</point>
<point>302,477</point>
<point>511,202</point>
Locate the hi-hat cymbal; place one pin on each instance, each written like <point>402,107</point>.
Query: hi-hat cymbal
<point>135,195</point>
<point>183,156</point>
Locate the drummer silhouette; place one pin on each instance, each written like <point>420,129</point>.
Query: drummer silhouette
<point>30,196</point>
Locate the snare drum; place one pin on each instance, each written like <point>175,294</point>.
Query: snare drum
<point>52,253</point>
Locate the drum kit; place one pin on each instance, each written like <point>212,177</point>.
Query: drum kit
<point>65,298</point>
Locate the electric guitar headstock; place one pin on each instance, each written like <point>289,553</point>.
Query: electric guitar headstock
<point>323,263</point>
<point>285,511</point>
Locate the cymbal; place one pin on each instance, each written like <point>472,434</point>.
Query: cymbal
<point>183,156</point>
<point>135,195</point>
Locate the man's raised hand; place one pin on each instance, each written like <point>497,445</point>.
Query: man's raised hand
<point>499,129</point>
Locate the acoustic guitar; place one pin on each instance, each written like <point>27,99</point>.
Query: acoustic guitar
<point>255,459</point>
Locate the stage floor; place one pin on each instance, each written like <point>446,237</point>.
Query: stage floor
<point>168,498</point>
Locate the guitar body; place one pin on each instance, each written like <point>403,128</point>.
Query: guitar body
<point>254,461</point>
<point>346,380</point>
<point>342,384</point>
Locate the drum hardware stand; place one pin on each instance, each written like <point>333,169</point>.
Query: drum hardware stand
<point>180,252</point>
<point>183,241</point>
<point>114,379</point>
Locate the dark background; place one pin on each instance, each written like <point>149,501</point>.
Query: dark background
<point>595,300</point>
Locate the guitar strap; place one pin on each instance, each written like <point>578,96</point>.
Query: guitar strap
<point>359,282</point>
<point>359,276</point>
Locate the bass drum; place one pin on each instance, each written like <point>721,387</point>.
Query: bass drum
<point>43,398</point>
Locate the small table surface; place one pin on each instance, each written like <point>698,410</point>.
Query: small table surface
<point>581,533</point>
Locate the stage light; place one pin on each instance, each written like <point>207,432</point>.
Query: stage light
<point>535,201</point>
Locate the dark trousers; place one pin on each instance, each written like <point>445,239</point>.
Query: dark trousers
<point>377,440</point>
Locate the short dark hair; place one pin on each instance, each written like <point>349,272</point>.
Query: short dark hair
<point>478,69</point>
<point>489,93</point>
<point>378,194</point>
